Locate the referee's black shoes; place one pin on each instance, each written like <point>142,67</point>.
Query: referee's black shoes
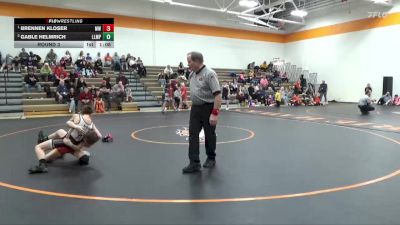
<point>209,163</point>
<point>192,168</point>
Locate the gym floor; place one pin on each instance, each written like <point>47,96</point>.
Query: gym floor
<point>297,165</point>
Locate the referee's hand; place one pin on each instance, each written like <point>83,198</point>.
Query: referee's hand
<point>213,120</point>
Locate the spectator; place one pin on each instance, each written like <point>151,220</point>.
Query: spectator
<point>105,90</point>
<point>62,93</point>
<point>297,87</point>
<point>368,88</point>
<point>31,81</point>
<point>51,57</point>
<point>270,67</point>
<point>88,58</point>
<point>118,94</point>
<point>323,90</point>
<point>108,60</point>
<point>296,100</point>
<point>168,98</point>
<point>303,83</point>
<point>386,99</point>
<point>116,62</point>
<point>264,82</point>
<point>124,64</point>
<point>23,55</point>
<point>168,71</point>
<point>121,77</point>
<point>284,77</point>
<point>184,94</point>
<point>87,70</point>
<point>81,55</point>
<point>33,60</point>
<point>98,66</point>
<point>226,94</point>
<point>177,98</point>
<point>45,72</point>
<point>365,103</point>
<point>98,102</point>
<point>181,69</point>
<point>68,58</point>
<point>128,95</point>
<point>60,75</point>
<point>317,100</point>
<point>278,98</point>
<point>98,57</point>
<point>396,100</point>
<point>81,84</point>
<point>264,66</point>
<point>132,62</point>
<point>73,75</point>
<point>80,64</point>
<point>63,63</point>
<point>251,66</point>
<point>16,61</point>
<point>141,70</point>
<point>139,61</point>
<point>73,100</point>
<point>162,79</point>
<point>85,99</point>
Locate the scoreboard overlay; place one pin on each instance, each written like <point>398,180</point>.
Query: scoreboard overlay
<point>64,33</point>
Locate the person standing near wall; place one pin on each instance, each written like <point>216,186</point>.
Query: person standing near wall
<point>323,90</point>
<point>205,93</point>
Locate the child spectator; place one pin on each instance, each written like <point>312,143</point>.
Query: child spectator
<point>108,60</point>
<point>396,100</point>
<point>73,100</point>
<point>85,99</point>
<point>184,96</point>
<point>296,100</point>
<point>278,98</point>
<point>98,103</point>
<point>226,94</point>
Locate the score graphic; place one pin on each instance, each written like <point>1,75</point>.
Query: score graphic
<point>64,33</point>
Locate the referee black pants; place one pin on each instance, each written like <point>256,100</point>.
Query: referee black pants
<point>200,118</point>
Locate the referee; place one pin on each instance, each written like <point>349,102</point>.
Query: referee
<point>205,94</point>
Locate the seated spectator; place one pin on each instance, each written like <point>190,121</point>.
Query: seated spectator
<point>60,75</point>
<point>141,70</point>
<point>118,94</point>
<point>386,99</point>
<point>73,100</point>
<point>33,60</point>
<point>81,84</point>
<point>177,98</point>
<point>98,103</point>
<point>168,71</point>
<point>116,62</point>
<point>51,58</point>
<point>242,78</point>
<point>270,91</point>
<point>62,93</point>
<point>98,57</point>
<point>284,78</point>
<point>85,99</point>
<point>98,66</point>
<point>365,103</point>
<point>88,58</point>
<point>81,55</point>
<point>168,98</point>
<point>108,60</point>
<point>297,87</point>
<point>264,82</point>
<point>139,61</point>
<point>269,100</point>
<point>124,63</point>
<point>23,56</point>
<point>233,87</point>
<point>68,58</point>
<point>121,78</point>
<point>396,100</point>
<point>105,90</point>
<point>264,66</point>
<point>79,64</point>
<point>73,76</point>
<point>63,63</point>
<point>303,83</point>
<point>132,63</point>
<point>16,62</point>
<point>270,67</point>
<point>317,100</point>
<point>31,81</point>
<point>128,95</point>
<point>88,70</point>
<point>45,72</point>
<point>251,66</point>
<point>296,100</point>
<point>181,69</point>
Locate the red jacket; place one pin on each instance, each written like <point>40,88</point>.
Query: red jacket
<point>60,73</point>
<point>84,96</point>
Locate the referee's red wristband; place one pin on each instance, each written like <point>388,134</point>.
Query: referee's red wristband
<point>215,112</point>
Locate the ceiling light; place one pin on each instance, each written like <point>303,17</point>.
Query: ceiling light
<point>382,1</point>
<point>299,13</point>
<point>255,20</point>
<point>248,3</point>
